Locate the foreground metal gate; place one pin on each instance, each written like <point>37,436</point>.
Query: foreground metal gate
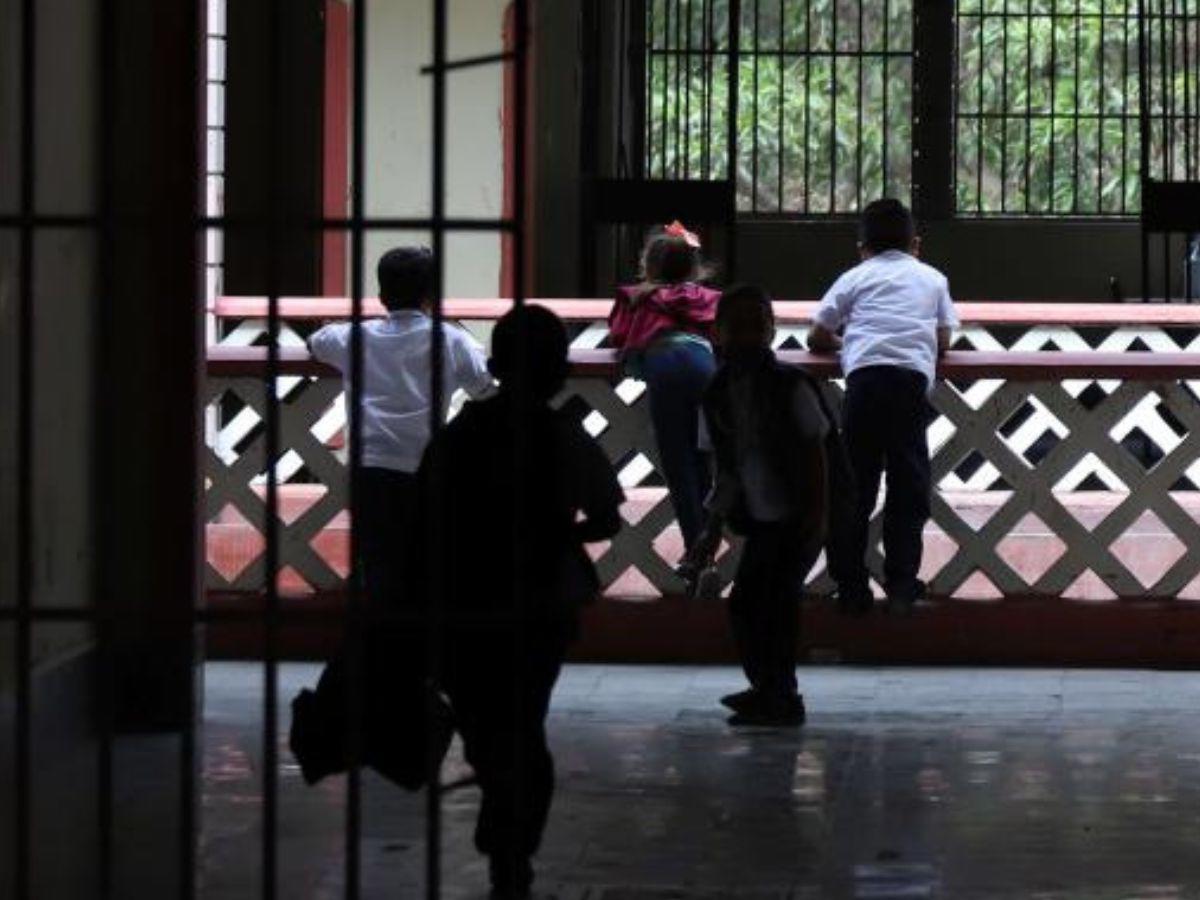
<point>103,37</point>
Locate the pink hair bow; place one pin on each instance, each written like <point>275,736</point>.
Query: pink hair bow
<point>676,229</point>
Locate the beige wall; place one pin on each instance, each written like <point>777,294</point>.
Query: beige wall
<point>399,134</point>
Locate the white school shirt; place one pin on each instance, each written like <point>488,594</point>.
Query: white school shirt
<point>891,306</point>
<point>396,370</point>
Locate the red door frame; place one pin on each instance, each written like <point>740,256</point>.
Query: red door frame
<point>336,140</point>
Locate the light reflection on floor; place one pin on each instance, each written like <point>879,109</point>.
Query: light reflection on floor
<point>906,783</point>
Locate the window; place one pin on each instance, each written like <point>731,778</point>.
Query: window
<point>1045,93</point>
<point>824,117</point>
<point>1047,107</point>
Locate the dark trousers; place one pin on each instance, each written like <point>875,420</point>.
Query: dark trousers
<point>384,501</point>
<point>676,375</point>
<point>500,691</point>
<point>885,417</point>
<point>764,606</point>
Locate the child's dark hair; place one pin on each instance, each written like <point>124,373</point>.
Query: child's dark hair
<point>670,259</point>
<point>886,225</point>
<point>530,343</point>
<point>405,277</point>
<point>745,317</point>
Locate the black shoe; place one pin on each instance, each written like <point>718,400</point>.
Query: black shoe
<point>774,713</point>
<point>512,878</point>
<point>741,700</point>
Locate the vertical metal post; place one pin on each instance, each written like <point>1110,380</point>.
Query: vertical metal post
<point>271,531</point>
<point>22,793</point>
<point>353,635</point>
<point>433,800</point>
<point>933,129</point>
<point>731,136</point>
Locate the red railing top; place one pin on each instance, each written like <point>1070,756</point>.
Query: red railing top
<point>965,365</point>
<point>789,311</point>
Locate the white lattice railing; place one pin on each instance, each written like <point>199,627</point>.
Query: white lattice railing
<point>1066,460</point>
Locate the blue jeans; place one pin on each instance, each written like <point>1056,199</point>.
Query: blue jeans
<point>676,374</point>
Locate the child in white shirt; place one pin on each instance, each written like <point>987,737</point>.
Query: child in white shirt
<point>891,316</point>
<point>395,402</point>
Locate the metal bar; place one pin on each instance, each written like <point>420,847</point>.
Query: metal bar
<point>979,107</point>
<point>708,62</point>
<point>754,118</point>
<point>102,461</point>
<point>833,129</point>
<point>841,54</point>
<point>678,118</point>
<point>205,222</point>
<point>22,771</point>
<point>808,205</point>
<point>433,801</point>
<point>1162,116</point>
<point>687,98</point>
<point>353,640</point>
<point>468,62</point>
<point>731,105</point>
<point>858,153</point>
<point>666,74</point>
<point>1144,77</point>
<point>1125,115</point>
<point>781,91</point>
<point>884,91</point>
<point>648,101</point>
<point>1075,122</point>
<point>271,531</point>
<point>1004,111</point>
<point>1027,164</point>
<point>1188,161</point>
<point>934,133</point>
<point>1102,107</point>
<point>1053,98</point>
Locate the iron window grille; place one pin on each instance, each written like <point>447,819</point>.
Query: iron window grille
<point>1046,101</point>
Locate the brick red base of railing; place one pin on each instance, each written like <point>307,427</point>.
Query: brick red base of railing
<point>1032,632</point>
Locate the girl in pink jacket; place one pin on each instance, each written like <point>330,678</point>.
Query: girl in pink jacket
<point>661,326</point>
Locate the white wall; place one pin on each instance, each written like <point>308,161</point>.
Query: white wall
<point>399,134</point>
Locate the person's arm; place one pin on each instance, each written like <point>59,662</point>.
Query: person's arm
<point>468,363</point>
<point>330,345</point>
<point>944,338</point>
<point>947,318</point>
<point>822,340</point>
<point>830,318</point>
<point>620,318</point>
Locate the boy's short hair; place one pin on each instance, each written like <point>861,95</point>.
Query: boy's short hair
<point>886,225</point>
<point>745,317</point>
<point>405,277</point>
<point>529,345</point>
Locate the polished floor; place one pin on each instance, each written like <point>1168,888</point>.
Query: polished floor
<point>905,783</point>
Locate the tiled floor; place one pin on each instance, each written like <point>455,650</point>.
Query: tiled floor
<point>906,783</point>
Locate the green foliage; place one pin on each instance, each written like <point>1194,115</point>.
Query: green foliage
<point>1046,104</point>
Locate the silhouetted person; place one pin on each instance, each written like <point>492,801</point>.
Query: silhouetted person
<point>512,489</point>
<point>768,427</point>
<point>396,375</point>
<point>894,316</point>
<point>662,325</point>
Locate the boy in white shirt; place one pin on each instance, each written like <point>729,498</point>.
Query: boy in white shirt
<point>891,317</point>
<point>395,404</point>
